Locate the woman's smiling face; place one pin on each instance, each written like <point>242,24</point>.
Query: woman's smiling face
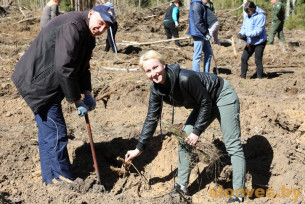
<point>155,70</point>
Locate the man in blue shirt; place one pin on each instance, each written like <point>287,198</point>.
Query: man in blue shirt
<point>171,21</point>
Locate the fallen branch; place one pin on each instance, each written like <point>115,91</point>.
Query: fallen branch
<point>150,16</point>
<point>27,19</point>
<point>234,48</point>
<point>153,42</point>
<point>120,69</point>
<point>22,12</point>
<point>231,10</point>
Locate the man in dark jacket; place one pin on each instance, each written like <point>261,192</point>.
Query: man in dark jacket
<point>198,29</point>
<point>210,97</point>
<point>171,21</point>
<point>56,65</point>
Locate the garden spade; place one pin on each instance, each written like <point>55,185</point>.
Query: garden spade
<point>215,69</point>
<point>92,148</point>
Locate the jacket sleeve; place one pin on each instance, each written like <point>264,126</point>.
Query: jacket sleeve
<point>258,27</point>
<point>151,121</point>
<point>199,12</point>
<point>199,93</point>
<point>54,11</point>
<point>67,46</point>
<point>175,14</point>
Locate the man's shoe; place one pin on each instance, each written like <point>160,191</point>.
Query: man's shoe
<point>179,189</point>
<point>234,199</point>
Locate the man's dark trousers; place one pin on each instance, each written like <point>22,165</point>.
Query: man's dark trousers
<point>52,139</point>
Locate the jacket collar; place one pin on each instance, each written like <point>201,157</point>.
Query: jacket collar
<point>85,17</point>
<point>173,71</point>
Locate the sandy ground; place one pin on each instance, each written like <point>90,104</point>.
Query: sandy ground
<point>272,122</point>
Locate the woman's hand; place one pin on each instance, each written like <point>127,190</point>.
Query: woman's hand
<point>131,154</point>
<point>192,139</point>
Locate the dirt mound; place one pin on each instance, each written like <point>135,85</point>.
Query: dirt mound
<point>272,122</point>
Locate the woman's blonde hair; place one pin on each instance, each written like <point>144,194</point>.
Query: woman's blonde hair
<point>151,54</point>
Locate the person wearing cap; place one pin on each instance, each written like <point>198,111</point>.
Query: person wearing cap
<point>54,67</point>
<point>51,10</point>
<point>111,32</point>
<point>209,96</point>
<point>253,30</point>
<point>198,29</point>
<point>171,21</point>
<point>278,18</point>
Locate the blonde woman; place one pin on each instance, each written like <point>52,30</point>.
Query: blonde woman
<point>210,97</point>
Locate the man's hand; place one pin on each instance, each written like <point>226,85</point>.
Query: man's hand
<point>176,24</point>
<point>192,139</point>
<point>131,154</point>
<point>207,37</point>
<point>82,109</point>
<point>89,101</point>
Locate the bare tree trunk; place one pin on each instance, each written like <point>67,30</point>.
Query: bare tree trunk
<point>293,7</point>
<point>287,8</point>
<point>187,4</point>
<point>139,3</point>
<point>244,2</point>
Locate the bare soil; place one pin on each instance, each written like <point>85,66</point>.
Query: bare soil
<point>272,121</point>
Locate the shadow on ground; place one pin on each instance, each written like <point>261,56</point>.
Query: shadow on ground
<point>107,153</point>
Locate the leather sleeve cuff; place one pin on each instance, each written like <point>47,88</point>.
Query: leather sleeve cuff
<point>140,146</point>
<point>196,132</point>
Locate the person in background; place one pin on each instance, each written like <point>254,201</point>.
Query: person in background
<point>54,67</point>
<point>210,5</point>
<point>198,29</point>
<point>212,21</point>
<point>209,97</point>
<point>253,30</point>
<point>171,21</point>
<point>278,18</point>
<point>111,32</point>
<point>51,10</point>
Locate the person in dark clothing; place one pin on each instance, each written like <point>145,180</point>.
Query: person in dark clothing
<point>171,21</point>
<point>56,65</point>
<point>212,21</point>
<point>253,30</point>
<point>210,97</point>
<point>111,32</point>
